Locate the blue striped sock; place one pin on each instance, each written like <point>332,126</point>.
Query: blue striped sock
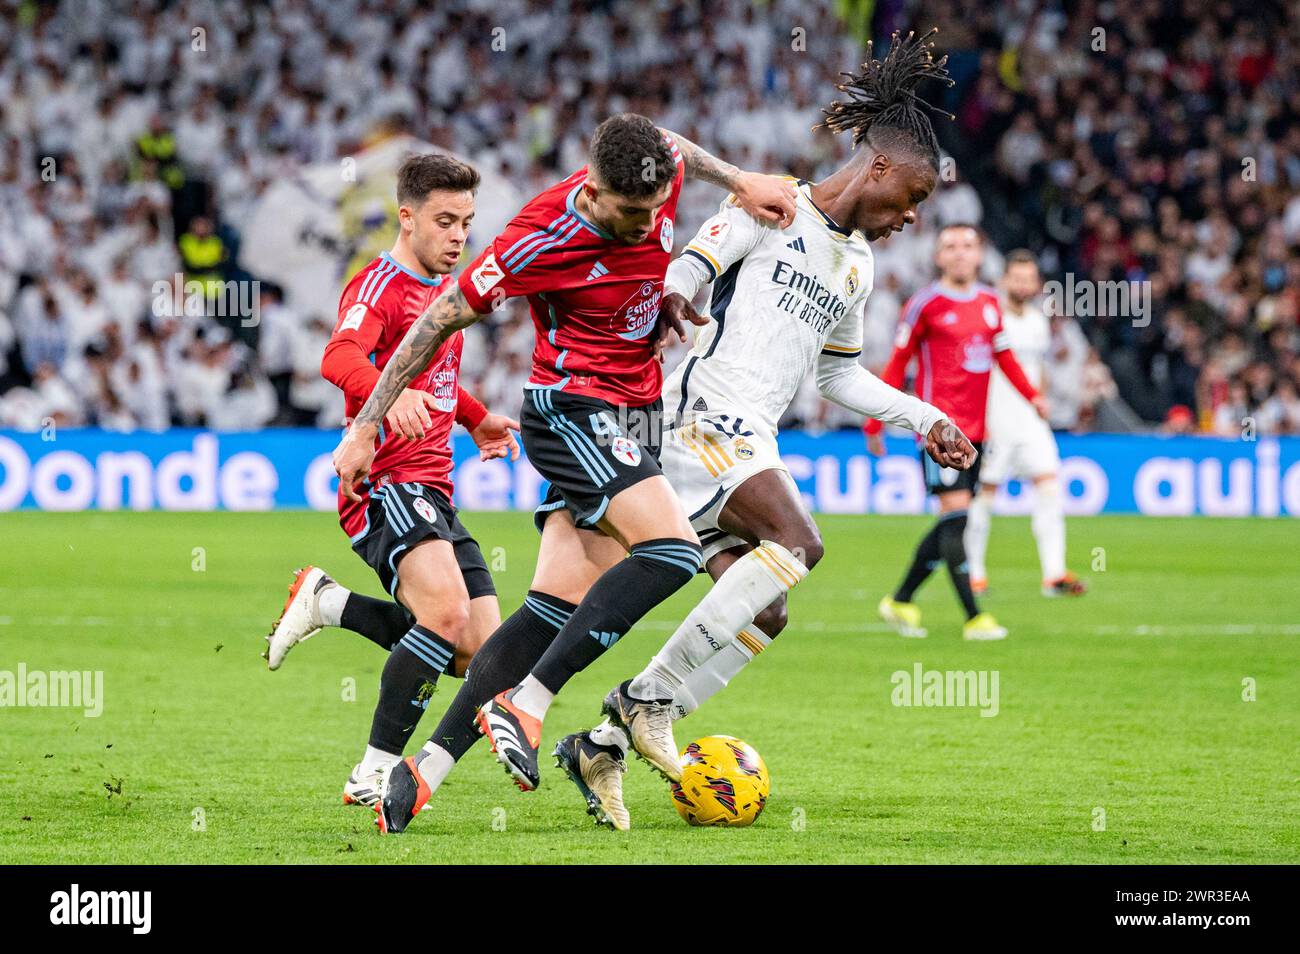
<point>408,682</point>
<point>653,571</point>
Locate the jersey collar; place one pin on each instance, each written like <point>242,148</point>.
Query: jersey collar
<point>829,222</point>
<point>955,295</point>
<point>435,280</point>
<point>572,208</point>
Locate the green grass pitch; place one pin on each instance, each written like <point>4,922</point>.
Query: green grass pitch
<point>1124,732</point>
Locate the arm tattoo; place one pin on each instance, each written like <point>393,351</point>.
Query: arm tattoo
<point>700,164</point>
<point>448,313</point>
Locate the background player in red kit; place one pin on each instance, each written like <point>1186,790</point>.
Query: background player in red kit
<point>590,254</point>
<point>953,328</point>
<point>401,521</point>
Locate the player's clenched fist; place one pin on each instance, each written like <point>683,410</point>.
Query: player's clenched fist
<point>409,415</point>
<point>674,311</point>
<point>948,446</point>
<point>352,459</point>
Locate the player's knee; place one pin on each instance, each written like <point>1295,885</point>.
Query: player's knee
<point>805,544</point>
<point>447,614</point>
<point>813,550</point>
<point>772,619</point>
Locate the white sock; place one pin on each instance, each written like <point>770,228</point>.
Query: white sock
<point>609,734</point>
<point>533,698</point>
<point>1048,522</point>
<point>748,586</point>
<point>377,760</point>
<point>712,676</point>
<point>434,763</point>
<point>979,520</point>
<point>329,605</point>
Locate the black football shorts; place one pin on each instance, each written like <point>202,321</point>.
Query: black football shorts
<point>401,515</point>
<point>941,480</point>
<point>588,449</point>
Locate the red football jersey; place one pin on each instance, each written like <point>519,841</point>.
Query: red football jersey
<point>955,338</point>
<point>594,299</point>
<point>376,308</point>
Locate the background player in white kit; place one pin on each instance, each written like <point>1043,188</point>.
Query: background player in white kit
<point>1018,442</point>
<point>784,301</point>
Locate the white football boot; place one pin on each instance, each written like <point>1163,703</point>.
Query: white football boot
<point>649,726</point>
<point>300,620</point>
<point>363,789</point>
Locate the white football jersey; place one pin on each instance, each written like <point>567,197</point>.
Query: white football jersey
<point>780,298</point>
<point>1030,337</point>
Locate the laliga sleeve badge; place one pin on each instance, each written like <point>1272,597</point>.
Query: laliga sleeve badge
<point>627,451</point>
<point>714,235</point>
<point>352,320</point>
<point>666,235</point>
<point>991,316</point>
<point>487,275</point>
<point>425,509</point>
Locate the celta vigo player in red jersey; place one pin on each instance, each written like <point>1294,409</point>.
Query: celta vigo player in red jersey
<point>402,521</point>
<point>953,328</point>
<point>590,255</point>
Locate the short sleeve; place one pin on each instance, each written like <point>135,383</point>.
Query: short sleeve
<point>519,261</point>
<point>726,238</point>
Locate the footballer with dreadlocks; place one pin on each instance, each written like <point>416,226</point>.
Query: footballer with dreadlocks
<point>785,302</point>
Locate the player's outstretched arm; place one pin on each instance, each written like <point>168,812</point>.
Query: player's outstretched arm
<point>846,383</point>
<point>770,199</point>
<point>355,453</point>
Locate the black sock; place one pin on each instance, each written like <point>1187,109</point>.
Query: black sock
<point>652,572</point>
<point>380,621</point>
<point>952,547</point>
<point>502,661</point>
<point>406,686</point>
<point>926,558</point>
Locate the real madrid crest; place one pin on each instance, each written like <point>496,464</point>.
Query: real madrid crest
<point>744,450</point>
<point>851,281</point>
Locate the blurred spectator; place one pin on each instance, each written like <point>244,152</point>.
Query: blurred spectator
<point>1063,367</point>
<point>1167,155</point>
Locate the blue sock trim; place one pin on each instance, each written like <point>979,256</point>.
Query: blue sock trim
<point>428,647</point>
<point>550,615</point>
<point>686,556</point>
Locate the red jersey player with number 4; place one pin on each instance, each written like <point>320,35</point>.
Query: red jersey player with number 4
<point>401,521</point>
<point>953,328</point>
<point>590,255</point>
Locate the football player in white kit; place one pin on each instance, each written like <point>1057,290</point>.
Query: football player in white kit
<point>784,302</point>
<point>1019,443</point>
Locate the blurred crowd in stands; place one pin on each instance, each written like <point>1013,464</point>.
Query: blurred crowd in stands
<point>1148,141</point>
